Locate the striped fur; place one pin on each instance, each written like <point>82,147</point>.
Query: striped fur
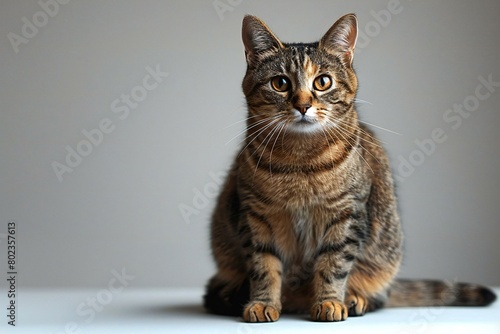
<point>307,219</point>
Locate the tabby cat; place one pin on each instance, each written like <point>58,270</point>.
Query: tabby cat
<point>307,219</point>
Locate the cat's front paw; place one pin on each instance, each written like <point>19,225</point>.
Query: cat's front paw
<point>260,312</point>
<point>357,304</point>
<point>329,311</point>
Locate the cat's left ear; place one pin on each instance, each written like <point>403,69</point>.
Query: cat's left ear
<point>341,38</point>
<point>258,39</point>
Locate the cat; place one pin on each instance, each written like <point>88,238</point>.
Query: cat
<point>307,219</point>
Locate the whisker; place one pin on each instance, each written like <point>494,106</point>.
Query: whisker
<point>286,129</point>
<point>250,127</point>
<point>257,135</point>
<point>381,128</point>
<point>257,124</point>
<point>362,101</point>
<point>330,132</point>
<point>283,125</point>
<point>265,140</point>
<point>328,143</point>
<point>240,121</point>
<point>341,133</point>
<point>374,141</point>
<point>367,150</point>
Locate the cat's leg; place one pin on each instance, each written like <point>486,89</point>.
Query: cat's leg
<point>329,284</point>
<point>264,273</point>
<point>265,290</point>
<point>333,264</point>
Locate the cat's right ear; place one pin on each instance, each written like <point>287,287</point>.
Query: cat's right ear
<point>258,39</point>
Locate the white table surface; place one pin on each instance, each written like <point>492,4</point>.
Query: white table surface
<point>180,311</point>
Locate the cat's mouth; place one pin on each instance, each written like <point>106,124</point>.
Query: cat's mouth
<point>309,117</point>
<point>305,119</point>
<point>305,123</point>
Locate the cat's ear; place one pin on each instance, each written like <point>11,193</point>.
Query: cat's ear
<point>341,38</point>
<point>258,39</point>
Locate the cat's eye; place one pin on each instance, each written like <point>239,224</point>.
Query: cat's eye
<point>323,82</point>
<point>280,84</point>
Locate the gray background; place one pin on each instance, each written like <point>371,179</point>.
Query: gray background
<point>121,206</point>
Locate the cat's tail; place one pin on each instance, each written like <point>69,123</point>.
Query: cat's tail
<point>226,298</point>
<point>438,293</point>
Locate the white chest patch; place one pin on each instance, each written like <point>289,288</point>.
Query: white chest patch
<point>305,236</point>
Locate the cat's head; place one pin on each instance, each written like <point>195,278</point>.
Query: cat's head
<point>303,87</point>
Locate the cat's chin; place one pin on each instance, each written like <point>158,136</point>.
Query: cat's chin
<point>305,127</point>
<point>305,124</point>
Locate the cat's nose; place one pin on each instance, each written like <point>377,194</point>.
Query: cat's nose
<point>302,108</point>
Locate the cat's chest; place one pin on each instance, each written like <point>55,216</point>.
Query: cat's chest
<point>301,206</point>
<point>305,235</point>
<point>298,191</point>
<point>300,244</point>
